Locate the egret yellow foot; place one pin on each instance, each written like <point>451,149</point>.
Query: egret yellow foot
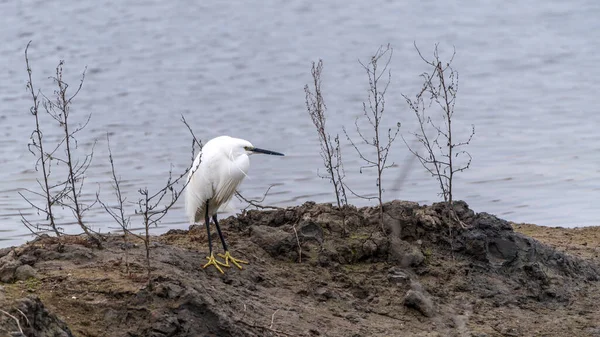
<point>214,262</point>
<point>233,260</point>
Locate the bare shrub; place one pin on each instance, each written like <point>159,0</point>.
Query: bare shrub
<point>65,193</point>
<point>60,110</point>
<point>381,140</point>
<point>441,151</point>
<point>151,206</point>
<point>155,206</point>
<point>117,212</point>
<point>330,149</point>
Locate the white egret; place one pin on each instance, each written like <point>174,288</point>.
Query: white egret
<point>217,171</point>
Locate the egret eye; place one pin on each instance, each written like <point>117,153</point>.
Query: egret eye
<point>247,148</point>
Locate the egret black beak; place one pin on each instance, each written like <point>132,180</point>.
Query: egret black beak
<point>257,150</point>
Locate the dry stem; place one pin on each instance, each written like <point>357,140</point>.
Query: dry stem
<point>441,86</point>
<point>373,112</point>
<point>330,150</point>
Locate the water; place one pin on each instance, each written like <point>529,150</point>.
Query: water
<point>528,81</point>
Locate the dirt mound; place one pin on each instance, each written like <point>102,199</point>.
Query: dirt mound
<point>488,245</point>
<point>314,271</point>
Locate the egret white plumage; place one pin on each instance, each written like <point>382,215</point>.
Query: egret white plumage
<point>216,173</point>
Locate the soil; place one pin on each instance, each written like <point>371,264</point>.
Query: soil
<point>313,272</point>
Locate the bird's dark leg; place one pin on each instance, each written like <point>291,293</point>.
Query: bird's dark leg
<point>211,257</point>
<point>219,231</point>
<point>207,223</point>
<point>226,256</point>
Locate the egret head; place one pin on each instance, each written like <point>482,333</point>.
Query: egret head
<point>239,146</point>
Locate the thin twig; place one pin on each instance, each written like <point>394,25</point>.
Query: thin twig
<point>38,143</point>
<point>149,204</point>
<point>24,316</point>
<point>373,111</point>
<point>441,150</point>
<point>272,319</point>
<point>16,320</point>
<point>331,154</point>
<point>298,242</point>
<point>257,202</point>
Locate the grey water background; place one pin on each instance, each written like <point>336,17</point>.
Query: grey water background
<point>528,81</point>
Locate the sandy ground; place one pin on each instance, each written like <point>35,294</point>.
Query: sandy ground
<point>314,272</point>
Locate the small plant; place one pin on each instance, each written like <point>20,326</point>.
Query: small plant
<point>117,212</point>
<point>60,110</point>
<point>64,193</point>
<point>152,209</point>
<point>151,206</point>
<point>427,253</point>
<point>44,160</point>
<point>330,150</point>
<point>32,284</point>
<point>441,149</point>
<point>373,110</point>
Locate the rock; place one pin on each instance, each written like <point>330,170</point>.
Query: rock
<point>419,301</point>
<point>377,245</point>
<point>165,326</point>
<point>25,272</point>
<point>168,290</point>
<point>314,332</point>
<point>324,294</point>
<point>405,254</point>
<point>353,318</point>
<point>177,231</point>
<point>333,221</point>
<point>5,251</point>
<point>41,322</point>
<point>276,218</point>
<point>281,242</point>
<point>464,213</point>
<point>27,259</point>
<point>487,221</point>
<point>8,265</point>
<point>275,241</point>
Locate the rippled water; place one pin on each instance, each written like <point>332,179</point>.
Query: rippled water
<point>528,81</point>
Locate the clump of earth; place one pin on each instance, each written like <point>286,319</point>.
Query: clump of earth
<point>314,270</point>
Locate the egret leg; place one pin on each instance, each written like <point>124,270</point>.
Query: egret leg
<point>211,258</point>
<point>226,256</point>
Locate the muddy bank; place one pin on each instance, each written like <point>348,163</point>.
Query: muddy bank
<point>418,278</point>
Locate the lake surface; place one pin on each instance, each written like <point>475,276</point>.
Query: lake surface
<point>528,81</point>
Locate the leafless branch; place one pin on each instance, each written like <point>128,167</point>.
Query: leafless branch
<point>256,202</point>
<point>60,110</point>
<point>272,319</point>
<point>153,207</point>
<point>299,245</point>
<point>439,89</point>
<point>373,111</point>
<point>330,150</point>
<point>117,212</point>
<point>36,147</point>
<point>17,321</point>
